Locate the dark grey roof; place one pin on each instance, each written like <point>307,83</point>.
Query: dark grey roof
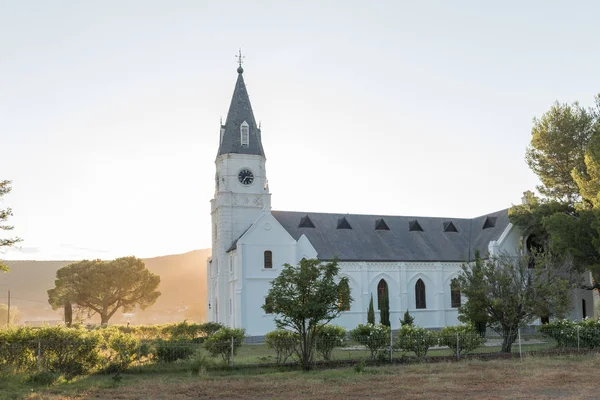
<point>240,110</point>
<point>364,243</point>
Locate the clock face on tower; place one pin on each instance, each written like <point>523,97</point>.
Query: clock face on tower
<point>245,176</point>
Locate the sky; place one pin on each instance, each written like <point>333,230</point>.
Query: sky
<point>109,111</point>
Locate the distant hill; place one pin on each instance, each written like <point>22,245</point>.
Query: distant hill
<point>182,284</point>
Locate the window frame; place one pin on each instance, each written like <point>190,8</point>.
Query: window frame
<point>455,295</point>
<point>420,295</point>
<point>268,259</point>
<point>381,291</point>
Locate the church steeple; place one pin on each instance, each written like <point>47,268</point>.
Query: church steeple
<point>240,135</point>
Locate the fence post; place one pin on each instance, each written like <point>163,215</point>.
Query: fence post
<point>520,349</point>
<point>232,339</point>
<point>39,355</point>
<point>457,346</point>
<point>391,346</point>
<point>578,338</point>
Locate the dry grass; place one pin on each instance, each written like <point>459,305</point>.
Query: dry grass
<point>534,377</point>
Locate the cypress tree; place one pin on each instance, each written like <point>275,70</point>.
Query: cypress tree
<point>385,308</point>
<point>371,312</point>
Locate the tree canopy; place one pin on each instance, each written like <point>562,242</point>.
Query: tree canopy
<point>5,188</point>
<point>507,293</point>
<point>558,146</point>
<point>104,287</point>
<point>305,298</point>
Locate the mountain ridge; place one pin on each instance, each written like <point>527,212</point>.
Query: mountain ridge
<point>183,288</point>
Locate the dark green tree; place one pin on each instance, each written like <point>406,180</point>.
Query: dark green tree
<point>104,287</point>
<point>371,312</point>
<point>384,312</point>
<point>305,298</point>
<point>516,294</point>
<point>407,320</point>
<point>5,188</point>
<point>559,140</point>
<point>472,311</point>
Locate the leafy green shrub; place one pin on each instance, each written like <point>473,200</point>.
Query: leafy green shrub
<point>284,343</point>
<point>45,378</point>
<point>408,319</point>
<point>465,336</point>
<point>589,333</point>
<point>375,337</point>
<point>172,350</point>
<point>219,343</point>
<point>70,351</point>
<point>210,328</point>
<point>330,337</point>
<point>564,332</point>
<point>18,349</point>
<point>416,339</point>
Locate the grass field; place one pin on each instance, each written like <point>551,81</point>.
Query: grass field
<point>540,377</point>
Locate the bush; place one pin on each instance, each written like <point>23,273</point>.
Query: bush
<point>408,319</point>
<point>219,343</point>
<point>589,333</point>
<point>467,335</point>
<point>375,337</point>
<point>562,331</point>
<point>330,337</point>
<point>416,339</point>
<point>45,378</point>
<point>68,351</point>
<point>284,343</point>
<point>172,350</point>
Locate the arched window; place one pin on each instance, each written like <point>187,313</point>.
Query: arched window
<point>420,298</point>
<point>534,248</point>
<point>344,296</point>
<point>268,262</point>
<point>244,134</point>
<point>381,292</point>
<point>455,293</point>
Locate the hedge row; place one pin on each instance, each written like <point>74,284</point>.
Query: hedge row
<point>566,333</point>
<point>79,351</point>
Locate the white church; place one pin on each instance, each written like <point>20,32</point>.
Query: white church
<point>417,258</point>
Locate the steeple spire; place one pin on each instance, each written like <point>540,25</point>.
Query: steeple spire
<point>240,133</point>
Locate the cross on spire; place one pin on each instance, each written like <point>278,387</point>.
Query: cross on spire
<point>240,61</point>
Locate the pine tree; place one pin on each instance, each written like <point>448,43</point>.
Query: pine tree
<point>385,308</point>
<point>371,312</point>
<point>408,319</point>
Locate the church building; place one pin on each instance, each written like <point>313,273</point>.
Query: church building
<point>416,258</point>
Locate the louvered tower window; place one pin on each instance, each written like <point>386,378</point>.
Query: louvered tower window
<point>420,298</point>
<point>244,134</point>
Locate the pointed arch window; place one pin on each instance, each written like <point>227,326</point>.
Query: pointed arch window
<point>244,134</point>
<point>381,292</point>
<point>268,259</point>
<point>455,293</point>
<point>420,298</point>
<point>344,296</point>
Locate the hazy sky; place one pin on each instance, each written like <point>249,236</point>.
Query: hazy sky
<point>109,110</point>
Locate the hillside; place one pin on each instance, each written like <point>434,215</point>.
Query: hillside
<point>183,288</point>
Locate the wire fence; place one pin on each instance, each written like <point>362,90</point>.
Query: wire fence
<point>76,357</point>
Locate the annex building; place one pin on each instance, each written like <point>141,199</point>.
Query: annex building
<point>417,258</point>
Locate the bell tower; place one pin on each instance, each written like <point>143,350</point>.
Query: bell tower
<point>241,193</point>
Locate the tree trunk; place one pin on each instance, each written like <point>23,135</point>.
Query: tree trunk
<point>68,314</point>
<point>508,338</point>
<point>104,318</point>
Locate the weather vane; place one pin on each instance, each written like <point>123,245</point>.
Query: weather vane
<point>240,58</point>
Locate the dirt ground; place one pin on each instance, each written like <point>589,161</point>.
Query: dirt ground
<point>531,378</point>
